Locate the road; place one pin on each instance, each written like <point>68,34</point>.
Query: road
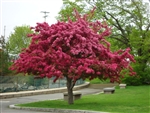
<point>4,107</point>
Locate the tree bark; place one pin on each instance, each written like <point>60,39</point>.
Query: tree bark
<point>70,90</point>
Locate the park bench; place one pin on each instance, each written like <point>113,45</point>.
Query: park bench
<point>76,95</point>
<point>122,86</point>
<point>110,90</point>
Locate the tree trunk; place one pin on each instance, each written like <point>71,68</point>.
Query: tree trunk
<point>70,90</point>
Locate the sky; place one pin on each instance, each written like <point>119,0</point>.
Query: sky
<point>26,12</point>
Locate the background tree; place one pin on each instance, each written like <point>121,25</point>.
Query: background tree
<point>9,50</point>
<point>73,50</point>
<point>18,39</point>
<point>68,9</point>
<point>130,22</point>
<point>4,58</point>
<point>131,28</point>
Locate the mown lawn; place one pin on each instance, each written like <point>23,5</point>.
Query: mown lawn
<point>97,81</point>
<point>133,99</point>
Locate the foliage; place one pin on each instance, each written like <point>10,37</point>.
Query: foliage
<point>131,28</point>
<point>4,63</point>
<point>10,49</point>
<point>130,24</point>
<point>132,81</point>
<point>141,78</point>
<point>18,39</point>
<point>68,9</point>
<point>4,58</point>
<point>97,81</point>
<point>128,101</point>
<point>73,50</point>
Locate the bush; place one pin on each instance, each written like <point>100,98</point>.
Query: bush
<point>132,80</point>
<point>142,77</point>
<point>145,78</point>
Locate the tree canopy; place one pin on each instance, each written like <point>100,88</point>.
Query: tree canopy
<point>68,9</point>
<point>18,39</point>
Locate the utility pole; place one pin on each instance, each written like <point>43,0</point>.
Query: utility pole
<point>4,30</point>
<point>45,15</point>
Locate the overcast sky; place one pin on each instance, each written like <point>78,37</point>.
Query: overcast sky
<point>26,12</point>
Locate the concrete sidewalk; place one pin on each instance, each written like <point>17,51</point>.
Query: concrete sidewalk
<point>39,92</point>
<point>33,98</point>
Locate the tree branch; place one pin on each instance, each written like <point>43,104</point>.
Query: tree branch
<point>140,15</point>
<point>120,39</point>
<point>119,26</point>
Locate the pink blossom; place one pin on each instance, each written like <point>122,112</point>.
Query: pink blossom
<point>74,49</point>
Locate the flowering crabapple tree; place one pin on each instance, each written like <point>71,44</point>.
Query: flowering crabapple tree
<point>74,50</point>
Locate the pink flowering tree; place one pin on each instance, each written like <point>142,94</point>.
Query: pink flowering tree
<point>74,50</point>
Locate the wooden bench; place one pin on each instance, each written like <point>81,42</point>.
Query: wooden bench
<point>109,90</point>
<point>76,95</point>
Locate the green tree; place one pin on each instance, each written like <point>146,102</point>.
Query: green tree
<point>130,23</point>
<point>19,39</point>
<point>68,9</point>
<point>4,58</point>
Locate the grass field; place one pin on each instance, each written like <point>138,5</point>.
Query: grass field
<point>97,81</point>
<point>133,99</point>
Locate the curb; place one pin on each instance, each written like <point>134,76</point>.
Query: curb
<point>44,91</point>
<point>53,110</point>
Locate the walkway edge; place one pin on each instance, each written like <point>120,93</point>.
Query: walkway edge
<point>53,110</point>
<point>39,92</point>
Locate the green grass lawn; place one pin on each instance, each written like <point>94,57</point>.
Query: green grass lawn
<point>97,81</point>
<point>133,99</point>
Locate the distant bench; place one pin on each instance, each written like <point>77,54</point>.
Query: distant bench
<point>122,86</point>
<point>76,95</point>
<point>110,90</point>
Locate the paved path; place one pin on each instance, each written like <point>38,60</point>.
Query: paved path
<point>4,103</point>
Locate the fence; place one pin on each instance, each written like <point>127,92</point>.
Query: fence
<point>27,83</point>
